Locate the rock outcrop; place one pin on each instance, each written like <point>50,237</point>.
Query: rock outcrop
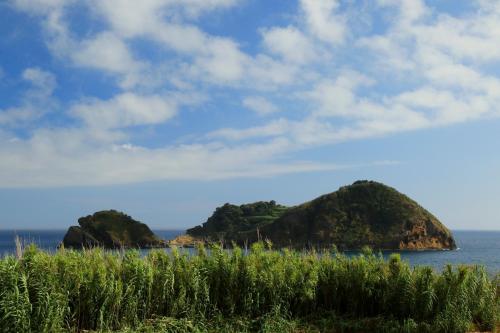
<point>111,229</point>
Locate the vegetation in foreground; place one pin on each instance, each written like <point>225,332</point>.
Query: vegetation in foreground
<point>234,291</point>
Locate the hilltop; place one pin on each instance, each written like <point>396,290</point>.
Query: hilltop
<point>364,213</point>
<point>110,229</point>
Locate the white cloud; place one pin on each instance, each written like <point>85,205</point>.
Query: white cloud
<point>423,69</point>
<point>108,53</point>
<point>272,129</point>
<point>216,59</point>
<point>323,20</point>
<point>289,43</point>
<point>14,115</point>
<point>40,6</point>
<point>136,18</point>
<point>260,105</point>
<point>61,158</point>
<point>267,73</point>
<point>338,98</point>
<point>69,158</point>
<point>104,51</point>
<point>442,106</point>
<point>35,102</point>
<point>410,11</point>
<point>194,8</point>
<point>167,23</point>
<point>472,38</point>
<point>390,55</point>
<point>224,61</point>
<point>43,82</point>
<point>125,110</point>
<point>425,98</point>
<point>443,54</point>
<point>467,38</point>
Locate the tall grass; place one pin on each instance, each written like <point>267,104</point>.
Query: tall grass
<point>230,291</point>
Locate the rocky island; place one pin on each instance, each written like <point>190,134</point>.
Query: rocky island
<point>111,229</point>
<point>366,213</point>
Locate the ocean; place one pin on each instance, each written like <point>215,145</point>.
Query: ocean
<point>474,247</point>
<point>49,239</point>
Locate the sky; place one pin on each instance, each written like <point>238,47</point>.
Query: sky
<point>166,109</point>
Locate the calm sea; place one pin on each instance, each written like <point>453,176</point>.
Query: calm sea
<point>475,247</point>
<point>50,239</point>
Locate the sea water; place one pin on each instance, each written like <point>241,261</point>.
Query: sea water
<point>474,247</point>
<point>49,240</point>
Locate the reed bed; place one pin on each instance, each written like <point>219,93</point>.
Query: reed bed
<point>233,291</point>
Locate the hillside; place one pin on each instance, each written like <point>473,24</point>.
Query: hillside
<point>110,229</point>
<point>364,213</point>
<point>230,221</point>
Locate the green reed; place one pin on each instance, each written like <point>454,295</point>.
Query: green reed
<point>216,290</point>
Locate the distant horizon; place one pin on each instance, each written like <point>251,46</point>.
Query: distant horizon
<point>156,229</point>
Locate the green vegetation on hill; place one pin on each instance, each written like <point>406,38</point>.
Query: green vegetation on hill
<point>364,213</point>
<point>229,221</point>
<point>262,291</point>
<point>110,229</point>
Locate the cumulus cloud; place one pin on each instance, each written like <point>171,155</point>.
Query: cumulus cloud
<point>289,43</point>
<point>224,62</point>
<point>337,98</point>
<point>168,24</point>
<point>217,58</point>
<point>143,17</point>
<point>323,20</point>
<point>104,51</point>
<point>109,53</point>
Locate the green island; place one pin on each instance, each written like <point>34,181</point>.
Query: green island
<point>111,229</point>
<point>366,213</point>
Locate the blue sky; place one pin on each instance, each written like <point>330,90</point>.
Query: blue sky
<point>166,109</point>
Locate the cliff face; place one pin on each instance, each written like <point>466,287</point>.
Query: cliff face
<point>110,229</point>
<point>364,213</point>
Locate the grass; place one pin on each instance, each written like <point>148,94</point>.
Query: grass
<point>230,291</point>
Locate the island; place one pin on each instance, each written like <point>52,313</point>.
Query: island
<point>366,213</point>
<point>111,229</point>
